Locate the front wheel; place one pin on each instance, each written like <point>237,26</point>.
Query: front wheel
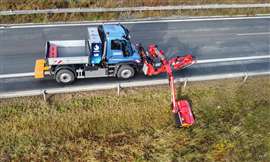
<point>125,72</point>
<point>65,76</point>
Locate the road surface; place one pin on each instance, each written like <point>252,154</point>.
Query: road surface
<point>213,39</point>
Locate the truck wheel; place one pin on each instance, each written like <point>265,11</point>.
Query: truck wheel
<point>125,72</point>
<point>65,76</point>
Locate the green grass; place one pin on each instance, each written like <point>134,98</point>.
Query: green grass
<point>232,125</point>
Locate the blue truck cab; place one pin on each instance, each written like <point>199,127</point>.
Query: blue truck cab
<point>112,44</point>
<point>118,45</point>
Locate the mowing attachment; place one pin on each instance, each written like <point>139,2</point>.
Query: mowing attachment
<point>155,63</point>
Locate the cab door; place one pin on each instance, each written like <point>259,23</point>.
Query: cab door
<point>119,51</point>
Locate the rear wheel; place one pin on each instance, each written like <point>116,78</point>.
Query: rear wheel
<point>125,72</point>
<point>65,76</point>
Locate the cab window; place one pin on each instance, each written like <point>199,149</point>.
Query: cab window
<point>116,45</point>
<point>121,45</point>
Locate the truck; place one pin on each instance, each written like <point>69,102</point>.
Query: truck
<point>108,52</point>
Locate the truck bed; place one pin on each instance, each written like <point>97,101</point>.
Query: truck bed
<point>67,52</point>
<point>71,51</point>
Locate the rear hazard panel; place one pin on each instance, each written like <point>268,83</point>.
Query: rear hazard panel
<point>68,60</point>
<point>39,68</point>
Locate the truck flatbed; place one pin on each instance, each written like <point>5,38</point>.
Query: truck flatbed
<point>67,52</point>
<point>71,51</point>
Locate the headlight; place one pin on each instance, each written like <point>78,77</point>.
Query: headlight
<point>138,61</point>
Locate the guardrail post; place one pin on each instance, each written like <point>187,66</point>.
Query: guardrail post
<point>118,89</point>
<point>185,84</point>
<point>245,77</point>
<point>44,95</point>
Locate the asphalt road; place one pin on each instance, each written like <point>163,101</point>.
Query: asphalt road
<point>29,83</point>
<point>20,47</point>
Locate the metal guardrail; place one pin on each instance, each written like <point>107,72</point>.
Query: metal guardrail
<point>130,9</point>
<point>120,85</point>
<point>134,21</point>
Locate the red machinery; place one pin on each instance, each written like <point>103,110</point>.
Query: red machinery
<point>180,108</point>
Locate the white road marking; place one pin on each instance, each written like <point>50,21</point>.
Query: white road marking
<point>135,22</point>
<point>15,75</point>
<point>30,74</point>
<point>247,34</point>
<point>232,59</point>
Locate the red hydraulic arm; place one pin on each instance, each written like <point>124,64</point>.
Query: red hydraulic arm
<point>180,108</point>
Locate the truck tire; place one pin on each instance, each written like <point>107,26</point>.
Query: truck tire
<point>65,76</point>
<point>125,72</point>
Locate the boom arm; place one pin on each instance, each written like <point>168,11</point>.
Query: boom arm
<point>180,108</point>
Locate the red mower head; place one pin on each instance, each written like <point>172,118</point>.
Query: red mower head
<point>184,117</point>
<point>152,49</point>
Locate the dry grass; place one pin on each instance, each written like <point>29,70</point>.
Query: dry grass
<point>37,4</point>
<point>232,125</point>
<point>46,18</point>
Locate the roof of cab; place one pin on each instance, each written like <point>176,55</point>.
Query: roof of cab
<point>114,30</point>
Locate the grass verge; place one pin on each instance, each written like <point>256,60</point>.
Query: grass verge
<point>232,125</point>
<point>46,18</point>
<point>37,4</point>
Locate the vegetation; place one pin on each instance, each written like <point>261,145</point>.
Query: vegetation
<point>46,18</point>
<point>37,4</point>
<point>232,125</point>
